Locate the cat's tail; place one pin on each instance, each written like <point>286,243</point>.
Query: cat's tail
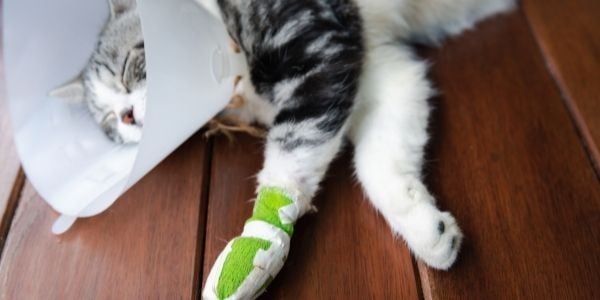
<point>425,21</point>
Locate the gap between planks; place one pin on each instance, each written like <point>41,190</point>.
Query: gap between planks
<point>201,238</point>
<point>569,43</point>
<point>513,171</point>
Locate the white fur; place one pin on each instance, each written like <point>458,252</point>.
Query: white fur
<point>319,44</point>
<point>129,133</point>
<point>425,20</point>
<point>118,102</point>
<point>389,124</point>
<point>288,30</point>
<point>300,170</point>
<point>284,90</point>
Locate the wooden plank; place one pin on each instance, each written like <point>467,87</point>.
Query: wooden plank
<point>345,251</point>
<point>144,247</point>
<point>568,33</point>
<point>510,166</point>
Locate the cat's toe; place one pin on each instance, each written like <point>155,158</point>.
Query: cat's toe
<point>433,236</point>
<point>444,252</point>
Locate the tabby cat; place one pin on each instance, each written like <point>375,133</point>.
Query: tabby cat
<point>318,71</point>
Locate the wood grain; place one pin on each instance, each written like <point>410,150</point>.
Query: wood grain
<point>345,251</point>
<point>568,33</point>
<point>144,247</point>
<point>509,164</point>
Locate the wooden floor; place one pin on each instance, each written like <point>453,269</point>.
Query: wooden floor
<point>516,133</point>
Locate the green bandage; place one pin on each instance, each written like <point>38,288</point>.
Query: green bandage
<point>269,202</point>
<point>267,233</point>
<point>239,264</point>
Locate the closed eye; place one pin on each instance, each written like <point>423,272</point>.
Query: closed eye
<point>123,73</point>
<point>105,66</point>
<point>139,46</point>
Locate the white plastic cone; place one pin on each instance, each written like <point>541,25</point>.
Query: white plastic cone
<point>73,166</point>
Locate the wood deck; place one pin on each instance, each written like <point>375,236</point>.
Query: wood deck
<point>514,156</point>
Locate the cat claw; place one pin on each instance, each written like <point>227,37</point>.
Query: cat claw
<point>227,127</point>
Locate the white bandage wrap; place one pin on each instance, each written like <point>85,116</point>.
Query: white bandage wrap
<point>267,263</point>
<point>289,214</point>
<point>266,231</point>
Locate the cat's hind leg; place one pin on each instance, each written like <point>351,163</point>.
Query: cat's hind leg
<point>426,21</point>
<point>431,21</point>
<point>389,130</point>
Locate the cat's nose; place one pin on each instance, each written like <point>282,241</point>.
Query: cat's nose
<point>127,117</point>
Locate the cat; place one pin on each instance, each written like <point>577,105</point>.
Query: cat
<point>319,71</point>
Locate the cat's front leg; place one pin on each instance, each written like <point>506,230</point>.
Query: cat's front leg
<point>298,153</point>
<point>389,130</point>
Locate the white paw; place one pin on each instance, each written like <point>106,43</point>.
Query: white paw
<point>432,235</point>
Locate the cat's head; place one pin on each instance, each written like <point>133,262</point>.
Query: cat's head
<point>113,83</point>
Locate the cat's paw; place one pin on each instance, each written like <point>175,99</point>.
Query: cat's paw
<point>110,126</point>
<point>250,262</point>
<point>432,235</point>
<point>247,264</point>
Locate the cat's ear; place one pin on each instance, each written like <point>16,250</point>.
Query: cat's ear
<point>71,92</point>
<point>118,7</point>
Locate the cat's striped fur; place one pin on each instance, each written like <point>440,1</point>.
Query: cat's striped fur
<point>305,59</point>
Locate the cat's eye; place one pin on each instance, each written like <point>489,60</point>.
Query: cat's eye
<point>124,77</point>
<point>133,68</point>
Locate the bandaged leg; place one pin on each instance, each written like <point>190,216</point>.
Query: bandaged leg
<point>249,263</point>
<point>288,181</point>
